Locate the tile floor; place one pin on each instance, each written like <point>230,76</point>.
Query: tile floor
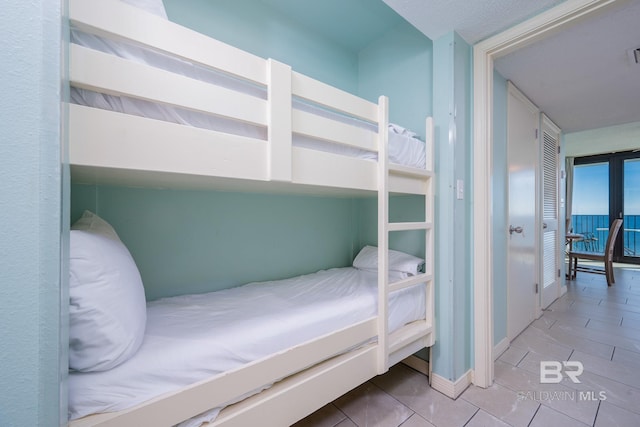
<point>592,324</point>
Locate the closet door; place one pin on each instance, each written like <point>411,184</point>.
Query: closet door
<point>550,147</point>
<point>523,253</point>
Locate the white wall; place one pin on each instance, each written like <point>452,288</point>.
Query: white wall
<point>603,140</point>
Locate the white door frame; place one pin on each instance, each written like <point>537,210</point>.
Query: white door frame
<point>484,53</point>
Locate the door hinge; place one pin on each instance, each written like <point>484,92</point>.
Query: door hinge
<point>558,149</point>
<point>537,288</point>
<point>558,272</point>
<point>536,133</point>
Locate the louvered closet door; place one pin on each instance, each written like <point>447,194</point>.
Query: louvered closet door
<point>550,144</point>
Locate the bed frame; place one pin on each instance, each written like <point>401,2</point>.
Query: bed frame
<point>116,148</point>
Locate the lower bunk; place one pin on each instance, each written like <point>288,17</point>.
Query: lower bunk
<point>265,353</point>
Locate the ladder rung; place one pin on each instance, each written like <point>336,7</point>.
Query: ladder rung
<point>406,226</point>
<point>409,171</point>
<point>408,334</point>
<point>409,281</point>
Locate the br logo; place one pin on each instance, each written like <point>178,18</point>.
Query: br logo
<point>551,372</point>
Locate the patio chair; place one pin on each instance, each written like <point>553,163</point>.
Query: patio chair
<point>606,258</point>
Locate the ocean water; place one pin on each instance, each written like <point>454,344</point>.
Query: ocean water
<point>596,230</point>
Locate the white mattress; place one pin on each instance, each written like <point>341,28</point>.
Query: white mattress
<point>404,147</point>
<point>193,337</point>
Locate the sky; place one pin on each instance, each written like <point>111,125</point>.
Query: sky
<point>591,189</point>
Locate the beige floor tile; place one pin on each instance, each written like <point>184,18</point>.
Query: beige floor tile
<point>522,380</point>
<point>560,317</point>
<point>630,323</point>
<point>558,335</point>
<point>546,417</point>
<point>582,407</point>
<point>626,309</point>
<point>346,423</point>
<point>531,361</point>
<point>618,330</point>
<point>603,336</point>
<point>556,396</point>
<point>417,421</point>
<point>327,416</point>
<point>505,404</point>
<point>412,389</point>
<point>594,312</point>
<point>544,323</point>
<point>534,340</point>
<point>484,419</point>
<point>606,368</point>
<point>614,392</point>
<point>610,415</point>
<point>513,355</point>
<point>367,405</point>
<point>626,357</point>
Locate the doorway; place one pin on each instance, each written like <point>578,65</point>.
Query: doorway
<point>606,187</point>
<point>484,54</point>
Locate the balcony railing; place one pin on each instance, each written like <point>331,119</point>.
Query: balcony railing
<point>595,229</point>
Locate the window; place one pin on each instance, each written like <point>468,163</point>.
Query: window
<point>607,187</point>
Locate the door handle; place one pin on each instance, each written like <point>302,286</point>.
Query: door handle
<point>517,229</point>
<point>544,225</point>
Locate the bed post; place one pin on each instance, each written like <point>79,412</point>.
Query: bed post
<point>383,234</point>
<point>279,136</point>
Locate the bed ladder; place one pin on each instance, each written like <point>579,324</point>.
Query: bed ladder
<point>418,334</point>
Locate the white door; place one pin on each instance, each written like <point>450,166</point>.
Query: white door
<point>551,248</point>
<point>522,155</point>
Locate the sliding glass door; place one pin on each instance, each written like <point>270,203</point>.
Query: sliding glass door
<point>590,216</point>
<point>607,187</point>
<point>631,210</point>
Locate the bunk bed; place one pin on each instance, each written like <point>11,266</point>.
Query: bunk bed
<point>185,110</point>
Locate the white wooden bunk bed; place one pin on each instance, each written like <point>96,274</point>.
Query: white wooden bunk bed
<point>295,124</point>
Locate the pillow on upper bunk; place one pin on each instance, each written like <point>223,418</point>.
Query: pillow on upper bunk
<point>367,259</point>
<point>107,305</point>
<point>153,6</point>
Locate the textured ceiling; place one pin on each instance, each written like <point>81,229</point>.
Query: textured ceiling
<point>583,77</point>
<point>473,20</point>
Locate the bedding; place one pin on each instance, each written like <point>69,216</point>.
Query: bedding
<point>107,306</point>
<point>405,148</point>
<point>367,259</point>
<point>192,337</point>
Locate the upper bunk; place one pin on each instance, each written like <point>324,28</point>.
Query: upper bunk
<point>156,104</point>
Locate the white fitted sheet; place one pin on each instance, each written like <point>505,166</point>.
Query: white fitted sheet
<point>404,146</point>
<point>190,338</point>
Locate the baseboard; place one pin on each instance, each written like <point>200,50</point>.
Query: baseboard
<point>418,364</point>
<point>500,348</point>
<point>450,388</point>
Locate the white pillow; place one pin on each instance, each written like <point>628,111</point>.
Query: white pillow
<point>153,6</point>
<point>367,259</point>
<point>107,306</point>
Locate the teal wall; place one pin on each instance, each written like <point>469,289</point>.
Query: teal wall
<point>30,218</point>
<point>399,66</point>
<point>198,241</point>
<point>255,27</point>
<point>454,294</point>
<point>500,214</point>
<point>401,209</point>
